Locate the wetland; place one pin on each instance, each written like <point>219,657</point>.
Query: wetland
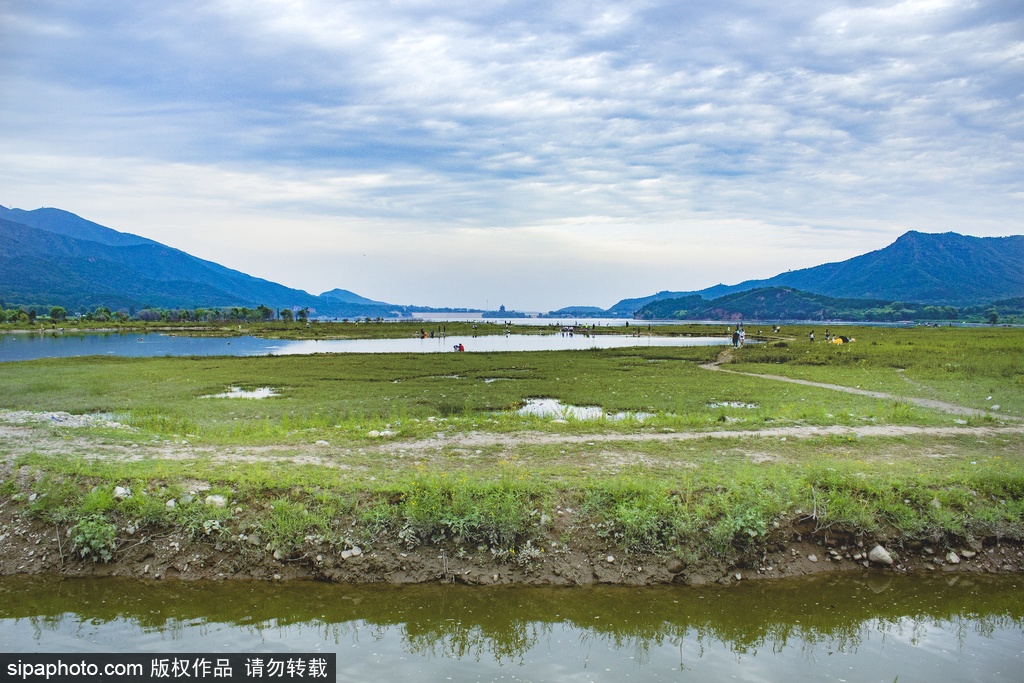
<point>895,457</point>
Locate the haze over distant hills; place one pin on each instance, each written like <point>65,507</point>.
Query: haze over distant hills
<point>53,257</point>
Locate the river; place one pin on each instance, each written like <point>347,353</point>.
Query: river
<point>863,627</point>
<point>14,347</point>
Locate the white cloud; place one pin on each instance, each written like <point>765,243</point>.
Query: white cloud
<point>571,137</point>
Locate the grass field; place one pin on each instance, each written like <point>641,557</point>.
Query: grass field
<point>430,448</point>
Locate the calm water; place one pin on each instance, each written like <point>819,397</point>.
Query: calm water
<point>850,628</point>
<point>33,346</point>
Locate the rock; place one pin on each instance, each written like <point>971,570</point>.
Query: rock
<point>356,551</point>
<point>217,501</point>
<point>170,505</point>
<point>323,443</point>
<point>185,499</point>
<point>610,559</point>
<point>122,492</point>
<point>936,504</point>
<point>967,554</point>
<point>32,497</point>
<point>345,554</point>
<point>373,433</point>
<point>674,566</point>
<point>738,576</point>
<point>812,558</point>
<point>952,557</point>
<point>253,539</point>
<point>880,555</point>
<point>277,577</point>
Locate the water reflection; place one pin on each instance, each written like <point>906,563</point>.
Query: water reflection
<point>877,626</point>
<point>552,407</point>
<point>32,346</point>
<point>238,392</point>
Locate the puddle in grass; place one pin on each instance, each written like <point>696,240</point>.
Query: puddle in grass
<point>238,392</point>
<point>732,404</point>
<point>552,407</point>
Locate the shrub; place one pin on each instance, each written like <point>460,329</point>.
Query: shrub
<point>96,537</point>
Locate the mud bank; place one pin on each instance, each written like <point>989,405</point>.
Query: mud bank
<point>29,546</point>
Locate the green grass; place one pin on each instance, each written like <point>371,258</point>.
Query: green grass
<point>696,501</point>
<point>345,396</point>
<point>964,366</point>
<point>694,498</point>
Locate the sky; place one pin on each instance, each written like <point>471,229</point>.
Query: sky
<point>529,154</point>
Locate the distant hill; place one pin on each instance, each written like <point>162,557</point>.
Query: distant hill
<point>934,269</point>
<point>576,311</point>
<point>347,297</point>
<point>53,257</point>
<point>769,304</point>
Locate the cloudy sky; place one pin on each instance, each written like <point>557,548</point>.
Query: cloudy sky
<point>531,154</point>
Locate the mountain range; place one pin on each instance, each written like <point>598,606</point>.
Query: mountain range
<point>53,257</point>
<point>928,268</point>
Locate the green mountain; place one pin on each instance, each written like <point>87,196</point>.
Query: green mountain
<point>347,297</point>
<point>784,303</point>
<point>934,269</point>
<point>53,257</point>
<point>767,303</point>
<point>68,224</point>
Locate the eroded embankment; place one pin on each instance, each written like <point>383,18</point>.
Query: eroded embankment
<point>31,546</point>
<point>175,526</point>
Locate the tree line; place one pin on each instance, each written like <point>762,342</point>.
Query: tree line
<point>32,314</point>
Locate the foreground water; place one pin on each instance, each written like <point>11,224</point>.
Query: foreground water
<point>32,346</point>
<point>869,627</point>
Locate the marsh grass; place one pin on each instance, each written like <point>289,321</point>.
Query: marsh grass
<point>957,365</point>
<point>712,502</point>
<point>708,498</point>
<point>345,396</point>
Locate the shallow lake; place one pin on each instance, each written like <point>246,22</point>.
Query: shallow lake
<point>864,627</point>
<point>32,346</point>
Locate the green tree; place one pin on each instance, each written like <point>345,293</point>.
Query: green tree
<point>302,314</point>
<point>286,315</point>
<point>993,315</point>
<point>58,313</point>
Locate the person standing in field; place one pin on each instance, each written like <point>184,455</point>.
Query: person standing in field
<point>812,336</point>
<point>736,339</point>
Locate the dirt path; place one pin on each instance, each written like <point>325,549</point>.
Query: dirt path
<point>952,408</point>
<point>19,440</point>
